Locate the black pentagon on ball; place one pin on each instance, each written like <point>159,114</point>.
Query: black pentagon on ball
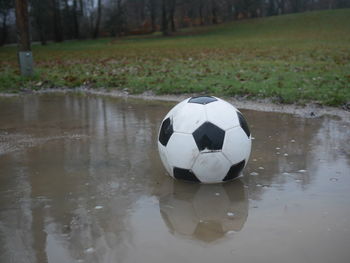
<point>166,131</point>
<point>209,136</point>
<point>234,171</point>
<point>243,123</point>
<point>202,100</point>
<point>185,174</point>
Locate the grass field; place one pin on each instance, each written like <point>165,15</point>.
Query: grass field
<point>291,58</point>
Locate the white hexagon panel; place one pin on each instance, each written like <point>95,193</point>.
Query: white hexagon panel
<point>181,150</point>
<point>211,167</point>
<point>237,145</point>
<point>222,114</point>
<point>176,108</point>
<point>189,118</point>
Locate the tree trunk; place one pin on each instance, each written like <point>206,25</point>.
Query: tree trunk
<point>142,11</point>
<point>41,18</point>
<point>172,15</point>
<point>25,57</point>
<point>42,35</point>
<point>22,23</point>
<point>66,7</point>
<point>81,7</point>
<point>4,30</point>
<point>296,6</point>
<point>67,20</point>
<point>230,15</point>
<point>271,8</point>
<point>76,20</point>
<point>201,17</point>
<point>98,20</point>
<point>153,8</point>
<point>121,19</point>
<point>165,22</point>
<point>281,8</point>
<point>57,23</point>
<point>330,4</point>
<point>214,12</point>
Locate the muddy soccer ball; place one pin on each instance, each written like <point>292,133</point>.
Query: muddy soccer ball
<point>204,139</point>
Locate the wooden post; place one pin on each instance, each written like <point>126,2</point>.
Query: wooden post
<point>25,56</point>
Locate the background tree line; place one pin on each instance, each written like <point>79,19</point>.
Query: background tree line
<point>60,20</point>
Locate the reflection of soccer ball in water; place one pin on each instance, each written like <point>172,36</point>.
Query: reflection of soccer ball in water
<point>204,139</point>
<point>204,212</point>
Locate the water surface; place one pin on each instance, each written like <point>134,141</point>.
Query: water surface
<point>81,181</point>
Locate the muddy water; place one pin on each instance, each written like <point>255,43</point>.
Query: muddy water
<point>81,181</point>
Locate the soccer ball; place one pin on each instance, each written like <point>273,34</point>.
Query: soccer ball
<point>204,139</point>
<point>203,212</point>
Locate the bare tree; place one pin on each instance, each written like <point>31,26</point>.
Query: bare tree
<point>165,19</point>
<point>116,22</point>
<point>5,7</point>
<point>57,23</point>
<point>81,7</point>
<point>201,12</point>
<point>229,6</point>
<point>22,23</point>
<point>172,9</point>
<point>152,7</point>
<point>214,12</point>
<point>66,19</point>
<point>98,19</point>
<point>41,19</point>
<point>76,19</point>
<point>23,36</point>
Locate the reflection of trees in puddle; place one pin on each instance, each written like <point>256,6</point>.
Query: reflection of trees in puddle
<point>331,153</point>
<point>203,212</point>
<point>65,180</point>
<point>118,159</point>
<point>52,190</point>
<point>283,146</point>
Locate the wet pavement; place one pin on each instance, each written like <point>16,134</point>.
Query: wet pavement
<point>81,181</point>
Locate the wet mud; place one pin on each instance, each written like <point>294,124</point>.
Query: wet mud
<point>81,181</point>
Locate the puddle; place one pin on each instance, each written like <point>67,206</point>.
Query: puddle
<point>81,181</point>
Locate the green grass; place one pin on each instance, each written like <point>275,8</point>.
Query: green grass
<point>294,58</point>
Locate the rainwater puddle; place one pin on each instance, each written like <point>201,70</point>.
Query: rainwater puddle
<point>81,181</point>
